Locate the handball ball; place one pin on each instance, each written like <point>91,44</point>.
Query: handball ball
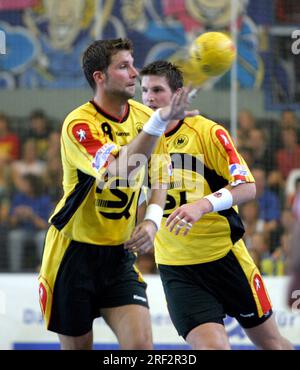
<point>212,53</point>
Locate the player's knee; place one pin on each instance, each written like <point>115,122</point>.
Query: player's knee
<point>211,345</point>
<point>84,342</point>
<point>208,336</point>
<point>216,342</point>
<point>276,343</point>
<point>141,341</point>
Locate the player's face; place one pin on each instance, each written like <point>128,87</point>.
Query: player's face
<point>156,92</point>
<point>121,75</point>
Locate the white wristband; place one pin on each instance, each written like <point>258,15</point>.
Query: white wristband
<point>155,126</point>
<point>220,200</point>
<point>154,213</point>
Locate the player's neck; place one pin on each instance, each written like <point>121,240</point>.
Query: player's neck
<point>171,126</point>
<point>113,107</point>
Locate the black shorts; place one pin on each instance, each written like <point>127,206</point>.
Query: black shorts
<point>89,278</point>
<point>206,292</point>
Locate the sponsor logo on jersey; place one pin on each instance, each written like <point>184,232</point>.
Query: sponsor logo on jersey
<point>139,298</point>
<point>227,145</point>
<point>261,293</point>
<point>217,194</point>
<point>81,135</point>
<point>102,155</point>
<point>123,133</point>
<point>247,314</point>
<point>181,141</point>
<point>43,296</point>
<point>237,169</point>
<point>224,139</point>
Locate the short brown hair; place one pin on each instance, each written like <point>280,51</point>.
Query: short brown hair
<point>97,56</point>
<point>165,69</point>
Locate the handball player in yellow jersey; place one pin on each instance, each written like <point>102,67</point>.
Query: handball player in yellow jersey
<point>204,265</point>
<point>85,271</point>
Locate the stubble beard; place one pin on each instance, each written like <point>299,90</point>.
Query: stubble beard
<point>121,95</point>
<point>116,93</point>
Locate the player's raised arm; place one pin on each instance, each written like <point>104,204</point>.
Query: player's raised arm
<point>145,142</point>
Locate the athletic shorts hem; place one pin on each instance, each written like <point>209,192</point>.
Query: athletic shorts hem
<point>185,333</point>
<point>255,322</point>
<point>70,333</point>
<point>123,301</point>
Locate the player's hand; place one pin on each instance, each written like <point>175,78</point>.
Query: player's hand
<point>177,109</point>
<point>142,238</point>
<point>183,218</point>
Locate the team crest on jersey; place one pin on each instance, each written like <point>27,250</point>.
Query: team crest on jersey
<point>181,141</point>
<point>139,127</point>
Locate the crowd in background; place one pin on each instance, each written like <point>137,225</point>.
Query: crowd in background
<point>272,152</point>
<point>31,185</point>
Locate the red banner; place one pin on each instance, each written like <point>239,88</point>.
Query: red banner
<point>17,4</point>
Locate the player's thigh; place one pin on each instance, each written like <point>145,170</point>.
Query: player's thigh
<point>124,302</point>
<point>190,301</point>
<point>131,324</point>
<point>208,336</point>
<point>82,342</point>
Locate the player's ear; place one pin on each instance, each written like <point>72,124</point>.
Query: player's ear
<point>98,76</point>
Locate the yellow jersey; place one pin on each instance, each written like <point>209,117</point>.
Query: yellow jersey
<point>96,209</point>
<point>204,160</point>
